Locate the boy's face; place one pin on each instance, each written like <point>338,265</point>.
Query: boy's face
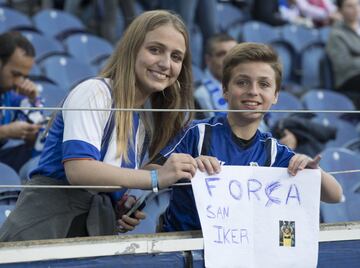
<point>252,86</point>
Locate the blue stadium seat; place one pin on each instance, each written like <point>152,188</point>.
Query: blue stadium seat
<point>353,145</point>
<point>52,95</point>
<point>318,99</point>
<point>11,19</point>
<point>324,33</point>
<point>311,57</point>
<point>286,101</point>
<point>341,159</point>
<point>35,71</point>
<point>99,65</point>
<point>57,24</point>
<point>299,37</point>
<point>27,168</point>
<point>8,176</point>
<point>259,32</point>
<point>196,46</point>
<point>5,211</point>
<point>353,199</point>
<point>227,15</point>
<point>345,131</point>
<point>235,30</point>
<point>88,48</point>
<point>287,56</point>
<point>138,8</point>
<point>198,75</point>
<point>326,72</point>
<point>44,45</point>
<point>66,71</point>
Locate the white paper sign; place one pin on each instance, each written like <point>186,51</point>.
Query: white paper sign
<point>259,217</point>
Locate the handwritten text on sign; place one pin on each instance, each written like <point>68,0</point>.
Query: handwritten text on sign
<point>259,217</point>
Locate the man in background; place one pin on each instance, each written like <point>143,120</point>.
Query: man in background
<point>343,48</point>
<point>16,60</point>
<point>209,94</point>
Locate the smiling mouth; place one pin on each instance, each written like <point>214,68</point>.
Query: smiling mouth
<point>159,75</point>
<point>252,104</point>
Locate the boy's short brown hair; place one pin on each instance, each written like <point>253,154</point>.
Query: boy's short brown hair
<point>251,52</point>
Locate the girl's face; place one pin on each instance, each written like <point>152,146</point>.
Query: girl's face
<point>252,86</point>
<point>159,60</point>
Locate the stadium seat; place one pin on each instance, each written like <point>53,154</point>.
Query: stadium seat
<point>196,46</point>
<point>8,176</point>
<point>235,31</point>
<point>259,32</point>
<point>345,131</point>
<point>227,15</point>
<point>88,48</point>
<point>139,9</point>
<point>287,57</point>
<point>198,75</point>
<point>52,95</point>
<point>341,159</point>
<point>324,33</point>
<point>11,19</point>
<point>27,168</point>
<point>326,72</point>
<point>299,37</point>
<point>99,65</point>
<point>286,101</point>
<point>44,45</point>
<point>318,99</point>
<point>35,71</point>
<point>310,61</point>
<point>5,211</point>
<point>353,145</point>
<point>66,71</point>
<point>353,199</point>
<point>57,24</point>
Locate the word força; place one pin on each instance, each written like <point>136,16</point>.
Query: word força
<point>254,187</point>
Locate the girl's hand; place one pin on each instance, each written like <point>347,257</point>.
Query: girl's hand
<point>176,167</point>
<point>126,223</point>
<point>209,164</point>
<point>301,161</point>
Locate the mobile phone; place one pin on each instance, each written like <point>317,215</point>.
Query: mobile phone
<point>139,205</point>
<point>141,202</point>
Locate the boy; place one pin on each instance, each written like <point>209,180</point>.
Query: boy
<point>251,81</point>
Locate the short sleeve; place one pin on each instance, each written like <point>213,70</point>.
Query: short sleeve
<point>283,156</point>
<point>83,129</point>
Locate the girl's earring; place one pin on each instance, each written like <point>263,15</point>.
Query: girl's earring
<point>178,84</point>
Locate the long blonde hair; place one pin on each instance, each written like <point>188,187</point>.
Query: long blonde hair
<point>120,68</point>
